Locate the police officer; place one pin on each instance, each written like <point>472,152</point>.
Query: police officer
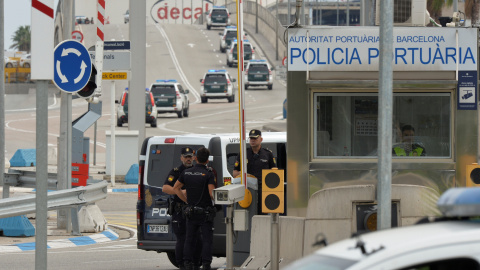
<point>258,158</point>
<point>199,182</point>
<point>409,147</point>
<point>178,220</point>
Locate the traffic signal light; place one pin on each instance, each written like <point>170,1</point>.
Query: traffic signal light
<point>89,89</point>
<point>473,175</point>
<point>273,191</point>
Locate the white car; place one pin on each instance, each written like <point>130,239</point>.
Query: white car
<point>448,242</point>
<point>9,63</point>
<point>150,109</point>
<point>227,36</point>
<point>170,97</point>
<point>26,61</point>
<point>218,16</point>
<point>258,73</point>
<point>248,53</point>
<point>217,84</point>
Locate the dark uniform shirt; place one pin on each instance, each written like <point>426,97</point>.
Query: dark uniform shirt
<point>196,181</point>
<point>257,162</point>
<point>173,177</point>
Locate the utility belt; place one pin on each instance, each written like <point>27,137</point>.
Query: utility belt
<point>191,211</point>
<point>175,207</point>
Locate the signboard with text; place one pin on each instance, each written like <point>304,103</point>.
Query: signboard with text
<point>357,49</point>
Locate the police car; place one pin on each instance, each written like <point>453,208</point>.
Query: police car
<point>150,109</point>
<point>159,154</point>
<point>258,73</point>
<point>451,241</point>
<point>248,53</point>
<point>218,16</point>
<point>217,83</point>
<point>226,37</point>
<point>170,97</point>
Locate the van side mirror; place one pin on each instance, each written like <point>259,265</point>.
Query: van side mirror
<point>116,101</point>
<point>220,34</point>
<point>234,80</point>
<point>186,91</point>
<point>272,68</point>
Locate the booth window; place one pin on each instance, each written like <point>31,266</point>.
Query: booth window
<point>345,124</point>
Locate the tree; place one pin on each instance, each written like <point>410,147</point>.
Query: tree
<point>21,39</point>
<point>435,8</point>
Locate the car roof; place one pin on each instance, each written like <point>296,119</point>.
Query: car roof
<point>268,137</point>
<point>385,244</point>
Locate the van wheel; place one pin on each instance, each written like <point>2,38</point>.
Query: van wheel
<point>171,258</point>
<point>180,114</point>
<point>270,87</point>
<point>9,65</point>
<point>231,99</point>
<point>154,123</point>
<point>229,64</point>
<point>26,65</point>
<point>208,27</point>
<point>204,100</point>
<point>185,111</point>
<point>246,86</point>
<point>222,50</point>
<point>119,123</point>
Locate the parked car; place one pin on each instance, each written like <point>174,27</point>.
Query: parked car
<point>170,97</point>
<point>10,63</point>
<point>217,83</point>
<point>150,109</point>
<point>25,61</point>
<point>218,16</point>
<point>126,17</point>
<point>248,53</point>
<point>451,241</point>
<point>258,73</point>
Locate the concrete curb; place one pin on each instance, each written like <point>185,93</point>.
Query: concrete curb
<point>102,237</point>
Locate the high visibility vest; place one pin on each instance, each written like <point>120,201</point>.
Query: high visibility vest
<point>399,151</point>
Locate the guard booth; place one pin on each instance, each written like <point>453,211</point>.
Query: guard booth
<point>332,132</point>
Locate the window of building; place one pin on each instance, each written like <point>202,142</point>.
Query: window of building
<point>345,124</point>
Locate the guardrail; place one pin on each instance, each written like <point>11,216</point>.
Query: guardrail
<point>67,198</point>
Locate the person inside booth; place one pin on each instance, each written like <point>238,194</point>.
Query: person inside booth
<point>408,146</point>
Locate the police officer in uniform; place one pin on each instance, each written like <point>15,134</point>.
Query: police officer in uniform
<point>258,158</point>
<point>199,182</point>
<point>178,220</point>
<point>409,147</point>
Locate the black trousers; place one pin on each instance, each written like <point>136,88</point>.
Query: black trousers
<point>195,223</point>
<point>179,226</point>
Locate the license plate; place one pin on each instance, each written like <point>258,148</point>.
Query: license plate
<point>163,99</point>
<point>258,76</point>
<point>215,87</point>
<point>157,228</point>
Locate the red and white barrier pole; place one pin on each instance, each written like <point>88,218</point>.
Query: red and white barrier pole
<point>99,45</point>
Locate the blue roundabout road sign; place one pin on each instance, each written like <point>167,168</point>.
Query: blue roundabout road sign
<point>72,66</point>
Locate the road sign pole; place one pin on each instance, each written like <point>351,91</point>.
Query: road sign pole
<point>41,185</point>
<point>112,136</point>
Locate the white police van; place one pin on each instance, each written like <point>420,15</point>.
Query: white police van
<point>451,241</point>
<point>159,154</point>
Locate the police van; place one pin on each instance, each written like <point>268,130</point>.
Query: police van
<point>159,154</point>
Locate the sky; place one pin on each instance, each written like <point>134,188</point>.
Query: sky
<point>17,13</point>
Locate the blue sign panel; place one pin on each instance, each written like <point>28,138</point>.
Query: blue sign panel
<point>116,45</point>
<point>72,66</point>
<point>467,90</point>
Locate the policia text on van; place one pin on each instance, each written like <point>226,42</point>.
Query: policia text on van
<point>159,155</point>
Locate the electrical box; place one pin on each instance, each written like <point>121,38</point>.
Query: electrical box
<point>240,220</point>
